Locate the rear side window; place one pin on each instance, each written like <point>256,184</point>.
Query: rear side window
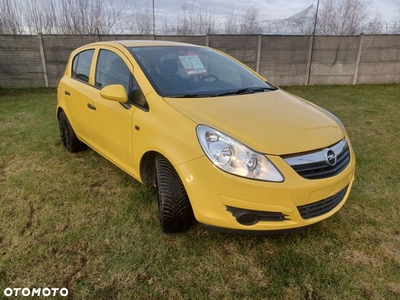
<point>81,65</point>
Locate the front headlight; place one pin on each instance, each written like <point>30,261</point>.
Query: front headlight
<point>235,158</point>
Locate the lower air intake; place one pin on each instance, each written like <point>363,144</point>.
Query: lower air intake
<point>321,207</point>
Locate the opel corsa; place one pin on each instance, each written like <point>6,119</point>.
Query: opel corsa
<point>222,145</point>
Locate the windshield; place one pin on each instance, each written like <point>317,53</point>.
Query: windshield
<point>185,71</point>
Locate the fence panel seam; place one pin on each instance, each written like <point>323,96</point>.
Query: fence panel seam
<point>259,49</point>
<point>43,59</point>
<point>358,58</point>
<point>309,58</point>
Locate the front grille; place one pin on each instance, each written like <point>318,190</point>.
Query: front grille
<point>321,170</point>
<point>321,207</point>
<point>318,165</point>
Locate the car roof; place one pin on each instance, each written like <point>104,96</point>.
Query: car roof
<point>138,43</point>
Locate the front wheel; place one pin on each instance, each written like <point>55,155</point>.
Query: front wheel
<point>174,209</point>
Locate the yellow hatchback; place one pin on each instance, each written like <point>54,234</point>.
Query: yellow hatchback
<point>222,145</point>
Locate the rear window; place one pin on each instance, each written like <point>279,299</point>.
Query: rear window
<point>81,65</point>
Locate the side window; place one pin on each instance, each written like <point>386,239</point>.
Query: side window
<point>111,69</point>
<point>81,65</point>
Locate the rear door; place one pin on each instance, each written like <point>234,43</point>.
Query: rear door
<point>75,89</point>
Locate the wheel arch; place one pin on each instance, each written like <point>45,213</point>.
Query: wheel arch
<point>147,168</point>
<point>59,110</point>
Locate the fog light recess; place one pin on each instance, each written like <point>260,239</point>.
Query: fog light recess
<point>247,218</point>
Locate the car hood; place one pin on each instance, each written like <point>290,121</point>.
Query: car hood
<point>274,122</point>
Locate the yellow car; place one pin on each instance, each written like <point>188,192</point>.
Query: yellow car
<point>222,145</point>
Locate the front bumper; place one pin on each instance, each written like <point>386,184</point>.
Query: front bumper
<point>222,201</point>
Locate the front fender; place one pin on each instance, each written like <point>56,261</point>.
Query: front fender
<point>164,130</point>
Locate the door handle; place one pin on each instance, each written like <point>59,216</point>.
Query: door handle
<point>91,106</point>
<point>67,93</point>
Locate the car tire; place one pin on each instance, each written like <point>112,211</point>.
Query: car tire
<point>174,210</point>
<point>67,134</point>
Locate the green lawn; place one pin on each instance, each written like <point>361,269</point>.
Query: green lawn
<point>77,221</point>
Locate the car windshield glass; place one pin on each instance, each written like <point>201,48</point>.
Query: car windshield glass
<point>185,71</point>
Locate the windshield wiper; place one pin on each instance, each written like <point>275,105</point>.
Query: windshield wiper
<point>191,96</point>
<point>250,90</point>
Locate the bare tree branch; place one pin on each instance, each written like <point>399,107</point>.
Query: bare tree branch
<point>10,21</point>
<point>249,23</point>
<point>231,24</point>
<point>345,17</point>
<point>196,20</point>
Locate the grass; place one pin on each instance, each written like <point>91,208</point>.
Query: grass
<point>77,221</point>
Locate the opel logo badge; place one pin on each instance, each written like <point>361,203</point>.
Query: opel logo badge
<point>330,157</point>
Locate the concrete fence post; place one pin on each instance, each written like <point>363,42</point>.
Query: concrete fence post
<point>309,59</point>
<point>43,59</point>
<point>207,40</point>
<point>97,35</point>
<point>259,45</point>
<point>358,58</point>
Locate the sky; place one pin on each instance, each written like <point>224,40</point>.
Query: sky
<point>389,10</point>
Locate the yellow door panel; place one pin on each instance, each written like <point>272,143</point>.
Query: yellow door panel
<point>111,129</point>
<point>76,100</point>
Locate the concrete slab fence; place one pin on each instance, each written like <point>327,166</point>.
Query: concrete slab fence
<point>39,60</point>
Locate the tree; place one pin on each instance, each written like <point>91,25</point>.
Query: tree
<point>59,16</point>
<point>344,17</point>
<point>194,19</point>
<point>249,23</point>
<point>10,22</point>
<point>88,16</point>
<point>231,24</point>
<point>139,20</point>
<point>40,16</point>
<point>244,23</point>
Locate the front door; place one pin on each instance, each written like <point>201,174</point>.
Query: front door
<point>111,122</point>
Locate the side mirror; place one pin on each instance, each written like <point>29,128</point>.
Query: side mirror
<point>114,92</point>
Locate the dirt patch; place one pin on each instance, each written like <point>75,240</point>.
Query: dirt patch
<point>358,257</point>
